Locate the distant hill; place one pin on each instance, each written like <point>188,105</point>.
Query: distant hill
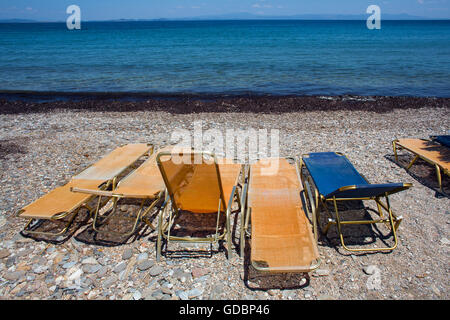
<point>16,21</point>
<point>251,16</point>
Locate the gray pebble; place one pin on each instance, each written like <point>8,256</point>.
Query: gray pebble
<point>156,270</point>
<point>182,295</point>
<point>144,265</point>
<point>13,276</point>
<point>127,254</point>
<point>142,256</point>
<point>69,265</point>
<point>4,253</point>
<point>195,293</point>
<point>110,281</point>
<point>103,270</point>
<point>137,295</point>
<point>120,267</point>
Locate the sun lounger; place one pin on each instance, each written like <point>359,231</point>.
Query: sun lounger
<point>61,202</point>
<point>443,140</point>
<point>436,153</point>
<point>144,183</point>
<point>332,178</point>
<point>281,236</point>
<point>197,183</point>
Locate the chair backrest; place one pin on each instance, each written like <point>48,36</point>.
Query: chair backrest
<point>114,163</point>
<point>331,171</point>
<point>192,180</point>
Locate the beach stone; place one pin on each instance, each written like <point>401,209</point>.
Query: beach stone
<point>10,261</point>
<point>13,276</point>
<point>199,272</point>
<point>147,294</point>
<point>194,293</point>
<point>76,275</point>
<point>38,269</point>
<point>289,294</point>
<point>2,221</point>
<point>144,265</point>
<point>156,270</point>
<point>181,275</point>
<point>4,253</point>
<point>120,267</point>
<point>69,265</point>
<point>17,291</point>
<point>142,256</point>
<point>93,294</point>
<point>166,290</point>
<point>370,269</point>
<point>321,272</point>
<point>203,278</point>
<point>25,252</point>
<point>435,289</point>
<point>137,295</point>
<point>89,260</point>
<point>110,281</point>
<point>182,295</point>
<point>91,268</point>
<point>127,254</point>
<point>102,272</point>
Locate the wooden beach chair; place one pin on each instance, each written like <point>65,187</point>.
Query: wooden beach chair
<point>281,236</point>
<point>61,202</point>
<point>436,153</point>
<point>333,178</point>
<point>197,183</point>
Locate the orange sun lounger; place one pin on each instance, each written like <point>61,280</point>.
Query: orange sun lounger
<point>144,183</point>
<point>432,152</point>
<point>61,202</point>
<point>197,183</point>
<point>281,236</point>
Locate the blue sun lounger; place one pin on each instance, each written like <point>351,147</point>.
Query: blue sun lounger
<point>443,140</point>
<point>332,177</point>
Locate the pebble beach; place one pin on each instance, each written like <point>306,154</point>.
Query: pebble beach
<point>43,144</point>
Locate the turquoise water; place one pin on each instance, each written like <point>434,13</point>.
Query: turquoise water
<point>232,57</point>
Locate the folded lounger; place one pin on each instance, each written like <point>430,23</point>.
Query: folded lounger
<point>144,183</point>
<point>197,182</point>
<point>61,202</point>
<point>281,237</point>
<point>436,153</point>
<point>333,178</point>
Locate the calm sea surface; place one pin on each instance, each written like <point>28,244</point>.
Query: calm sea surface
<point>231,57</point>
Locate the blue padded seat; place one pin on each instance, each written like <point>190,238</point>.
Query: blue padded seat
<point>331,171</point>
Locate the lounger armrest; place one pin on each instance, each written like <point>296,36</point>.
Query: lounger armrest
<point>93,192</point>
<point>368,190</point>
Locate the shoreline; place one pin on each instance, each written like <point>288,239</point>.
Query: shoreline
<point>24,102</point>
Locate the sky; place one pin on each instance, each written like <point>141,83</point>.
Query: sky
<point>55,10</point>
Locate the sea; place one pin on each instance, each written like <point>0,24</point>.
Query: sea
<point>236,57</point>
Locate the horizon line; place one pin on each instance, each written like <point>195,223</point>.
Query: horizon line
<point>248,16</point>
